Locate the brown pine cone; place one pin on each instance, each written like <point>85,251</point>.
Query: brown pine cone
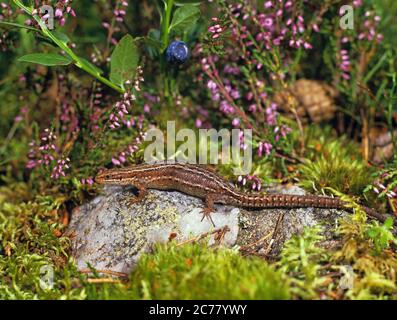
<point>381,144</point>
<point>313,100</point>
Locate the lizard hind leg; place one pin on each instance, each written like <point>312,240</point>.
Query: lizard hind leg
<point>209,208</point>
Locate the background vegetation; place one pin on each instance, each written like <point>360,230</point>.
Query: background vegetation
<point>59,124</point>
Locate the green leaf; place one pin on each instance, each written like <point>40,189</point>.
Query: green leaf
<point>389,223</point>
<point>46,59</point>
<point>181,3</point>
<point>124,61</point>
<point>61,36</point>
<point>153,42</point>
<point>184,18</point>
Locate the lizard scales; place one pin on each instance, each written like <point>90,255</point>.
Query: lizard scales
<point>198,181</point>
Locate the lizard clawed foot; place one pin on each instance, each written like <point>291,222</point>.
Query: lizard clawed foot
<point>133,200</point>
<point>207,214</point>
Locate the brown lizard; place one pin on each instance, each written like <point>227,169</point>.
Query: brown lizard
<point>201,182</point>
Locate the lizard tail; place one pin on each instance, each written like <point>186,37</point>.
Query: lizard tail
<point>372,213</point>
<point>299,201</point>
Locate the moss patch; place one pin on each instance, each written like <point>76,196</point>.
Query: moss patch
<point>194,272</point>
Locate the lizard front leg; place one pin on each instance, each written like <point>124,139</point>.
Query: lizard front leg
<point>142,192</point>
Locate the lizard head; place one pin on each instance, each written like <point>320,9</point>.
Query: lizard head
<point>102,176</point>
<point>112,176</point>
<point>108,177</point>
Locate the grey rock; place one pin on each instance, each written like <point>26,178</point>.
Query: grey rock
<point>111,231</point>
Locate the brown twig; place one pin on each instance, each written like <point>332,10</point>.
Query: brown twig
<point>108,272</point>
<point>220,232</point>
<point>255,243</point>
<point>103,280</point>
<point>249,248</point>
<point>274,233</point>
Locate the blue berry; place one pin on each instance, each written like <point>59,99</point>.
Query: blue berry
<point>177,53</point>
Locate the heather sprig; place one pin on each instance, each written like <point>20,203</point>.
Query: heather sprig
<point>237,79</point>
<point>47,155</point>
<point>6,38</point>
<point>122,157</point>
<point>361,41</point>
<point>123,107</point>
<point>251,180</point>
<point>112,27</point>
<point>62,10</point>
<point>385,183</point>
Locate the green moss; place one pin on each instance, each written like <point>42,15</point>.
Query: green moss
<point>194,272</point>
<point>334,163</point>
<point>302,257</point>
<point>370,251</point>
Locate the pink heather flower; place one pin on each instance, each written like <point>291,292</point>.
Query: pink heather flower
<point>58,13</point>
<point>255,182</point>
<point>357,3</point>
<point>116,162</point>
<point>146,108</point>
<point>43,154</point>
<point>216,30</point>
<point>122,107</point>
<point>315,27</point>
<point>121,158</point>
<point>264,147</point>
<point>271,114</point>
<point>87,181</point>
<point>59,170</point>
<point>345,76</point>
<point>281,132</point>
<point>235,94</point>
<point>198,123</point>
<point>268,23</point>
<point>18,118</point>
<point>252,108</point>
<point>211,85</point>
<point>268,4</point>
<point>382,186</point>
<point>392,194</point>
<point>236,122</point>
<point>228,69</point>
<point>226,107</point>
